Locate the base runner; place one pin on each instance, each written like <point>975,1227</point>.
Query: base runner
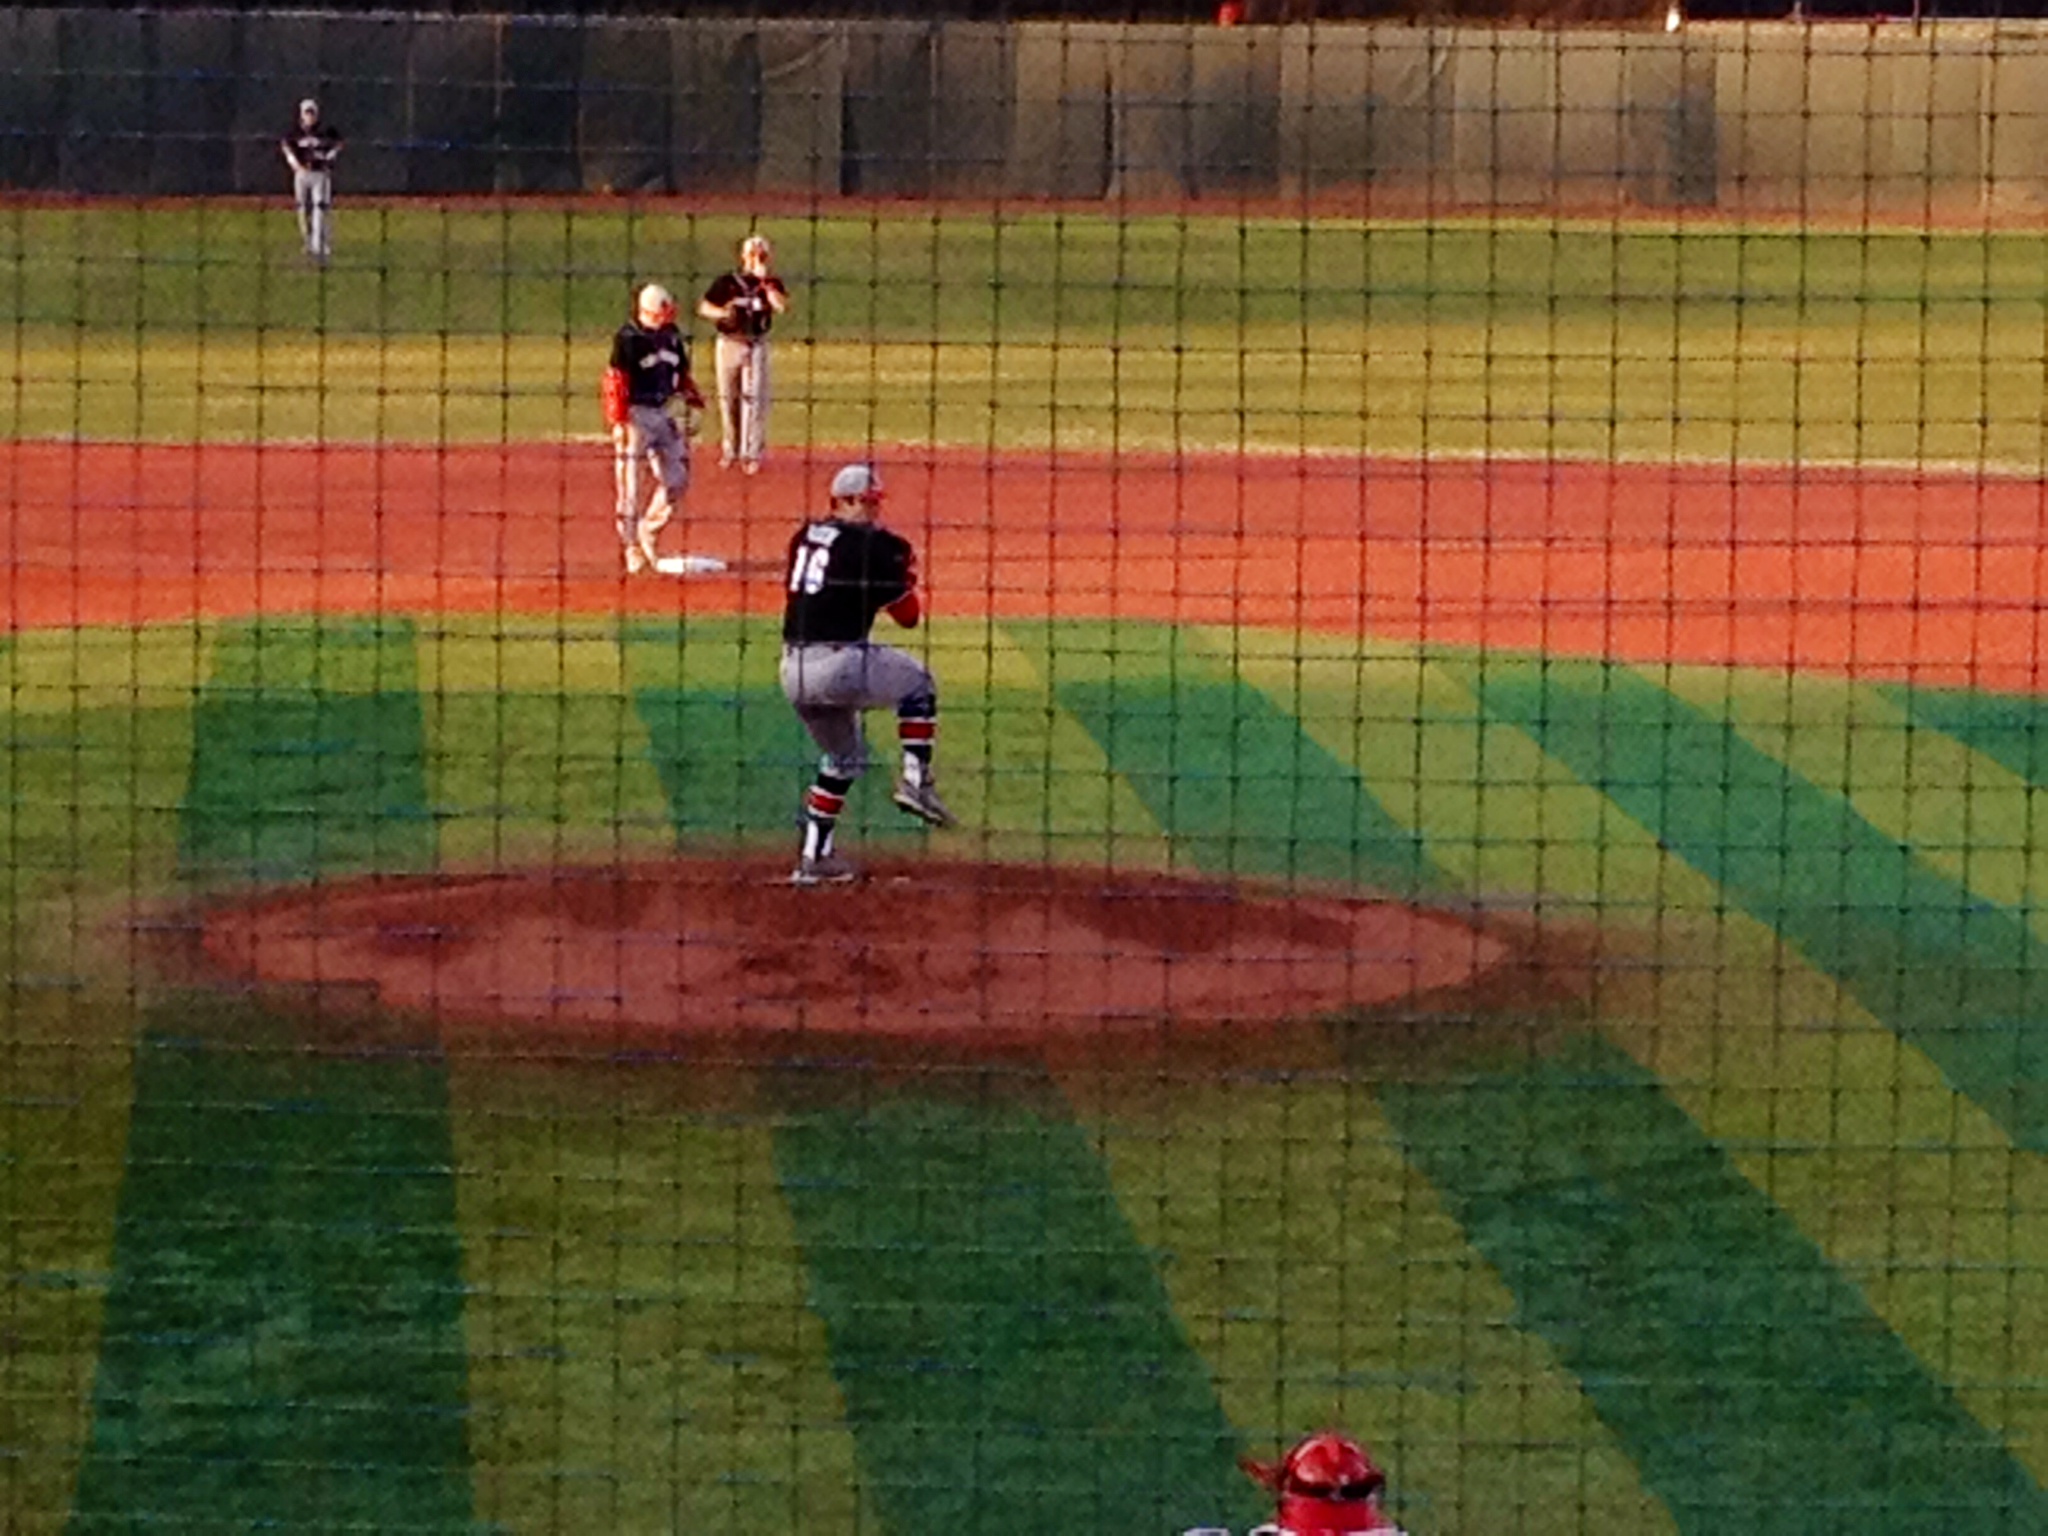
<point>650,366</point>
<point>844,569</point>
<point>1326,1484</point>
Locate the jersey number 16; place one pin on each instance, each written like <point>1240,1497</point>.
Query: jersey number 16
<point>807,569</point>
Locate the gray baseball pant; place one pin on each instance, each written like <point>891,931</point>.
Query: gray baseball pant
<point>830,685</point>
<point>651,440</point>
<point>313,191</point>
<point>743,397</point>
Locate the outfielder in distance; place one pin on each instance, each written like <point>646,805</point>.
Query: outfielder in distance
<point>743,305</point>
<point>311,149</point>
<point>650,366</point>
<point>844,569</point>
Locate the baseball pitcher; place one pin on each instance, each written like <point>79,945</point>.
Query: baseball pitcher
<point>311,149</point>
<point>650,366</point>
<point>1326,1484</point>
<point>844,569</point>
<point>743,305</point>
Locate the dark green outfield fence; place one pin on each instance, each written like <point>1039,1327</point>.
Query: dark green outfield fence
<point>189,103</point>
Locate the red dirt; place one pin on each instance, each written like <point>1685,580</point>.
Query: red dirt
<point>965,953</point>
<point>1928,577</point>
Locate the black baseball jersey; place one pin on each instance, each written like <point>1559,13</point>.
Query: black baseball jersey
<point>841,574</point>
<point>313,148</point>
<point>655,361</point>
<point>754,315</point>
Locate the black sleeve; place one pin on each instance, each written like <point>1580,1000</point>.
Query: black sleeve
<point>723,290</point>
<point>622,358</point>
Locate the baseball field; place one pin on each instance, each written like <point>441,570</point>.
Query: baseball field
<point>1496,900</point>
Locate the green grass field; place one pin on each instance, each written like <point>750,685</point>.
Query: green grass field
<point>1026,329</point>
<point>1753,1236</point>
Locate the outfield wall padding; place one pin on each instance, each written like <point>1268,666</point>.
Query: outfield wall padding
<point>198,84</point>
<point>715,109</point>
<point>538,126</point>
<point>106,113</point>
<point>31,97</point>
<point>1766,116</point>
<point>627,94</point>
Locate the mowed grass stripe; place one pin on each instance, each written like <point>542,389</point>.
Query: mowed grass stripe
<point>1963,812</point>
<point>2011,731</point>
<point>283,1341</point>
<point>95,749</point>
<point>1743,1374</point>
<point>288,1348</point>
<point>987,1300</point>
<point>1372,1316</point>
<point>1236,783</point>
<point>1959,979</point>
<point>1325,1282</point>
<point>643,1355</point>
<point>534,749</point>
<point>1822,1108</point>
<point>1025,779</point>
<point>309,753</point>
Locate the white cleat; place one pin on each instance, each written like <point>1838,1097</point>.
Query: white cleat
<point>829,870</point>
<point>636,559</point>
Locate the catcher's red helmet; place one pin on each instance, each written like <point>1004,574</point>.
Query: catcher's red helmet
<point>1326,1483</point>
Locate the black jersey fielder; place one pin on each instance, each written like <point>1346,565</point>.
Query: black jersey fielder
<point>844,569</point>
<point>650,367</point>
<point>743,305</point>
<point>310,149</point>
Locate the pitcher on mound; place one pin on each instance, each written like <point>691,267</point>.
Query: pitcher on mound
<point>844,568</point>
<point>650,366</point>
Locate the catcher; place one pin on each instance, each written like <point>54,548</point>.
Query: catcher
<point>1327,1483</point>
<point>650,366</point>
<point>843,569</point>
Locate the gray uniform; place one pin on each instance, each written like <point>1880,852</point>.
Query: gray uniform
<point>311,149</point>
<point>745,306</point>
<point>652,441</point>
<point>830,684</point>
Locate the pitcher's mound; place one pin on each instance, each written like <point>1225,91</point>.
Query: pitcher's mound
<point>961,950</point>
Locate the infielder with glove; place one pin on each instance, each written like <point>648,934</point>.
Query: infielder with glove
<point>311,149</point>
<point>844,569</point>
<point>743,305</point>
<point>650,366</point>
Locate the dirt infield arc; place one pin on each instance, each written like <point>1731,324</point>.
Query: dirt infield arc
<point>923,949</point>
<point>1930,577</point>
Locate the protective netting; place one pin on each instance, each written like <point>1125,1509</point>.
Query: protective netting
<point>1444,845</point>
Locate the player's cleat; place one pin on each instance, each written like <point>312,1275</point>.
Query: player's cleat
<point>636,559</point>
<point>829,870</point>
<point>923,802</point>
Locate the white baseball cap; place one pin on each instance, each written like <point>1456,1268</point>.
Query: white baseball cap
<point>855,482</point>
<point>309,105</point>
